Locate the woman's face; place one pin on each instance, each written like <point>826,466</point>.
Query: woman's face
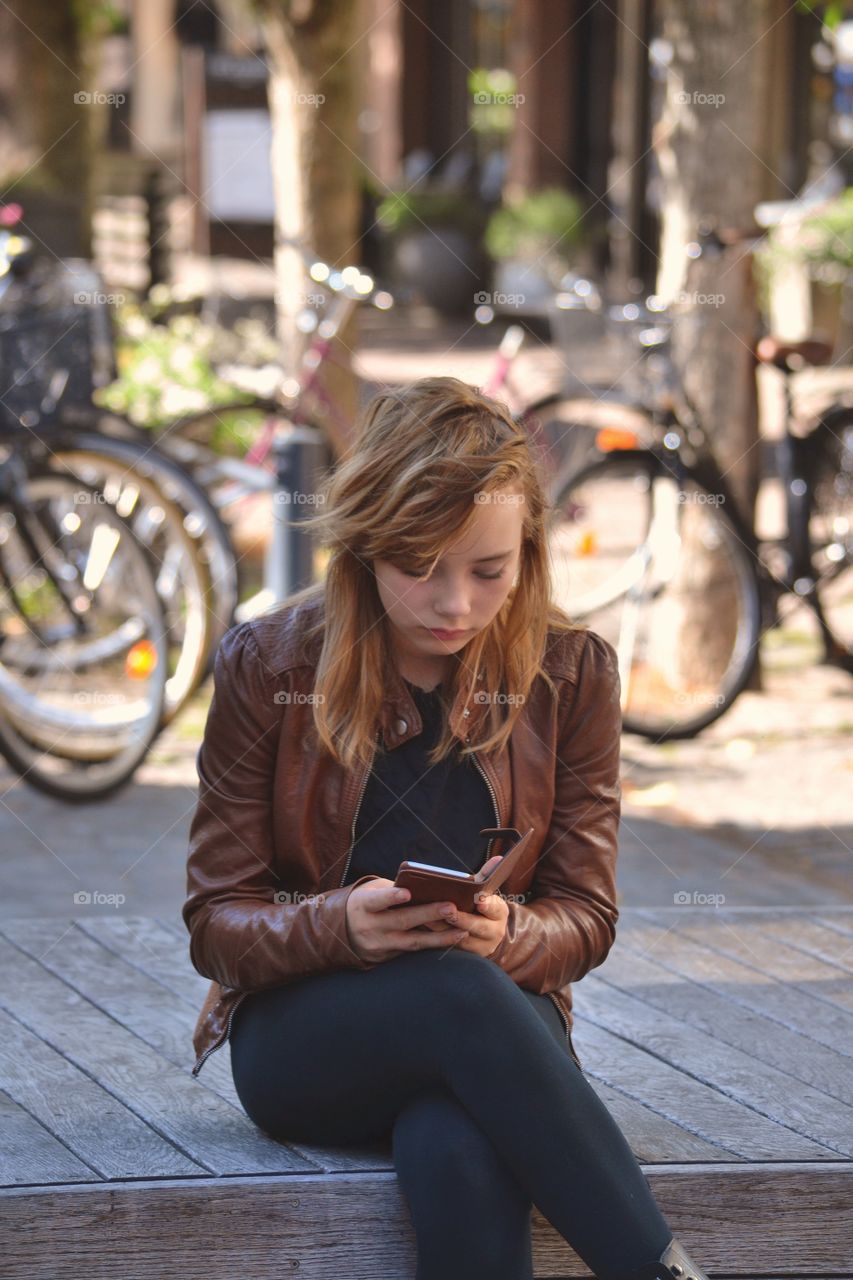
<point>466,588</point>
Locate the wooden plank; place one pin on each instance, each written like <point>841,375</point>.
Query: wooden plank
<point>30,1154</point>
<point>811,937</point>
<point>652,1137</point>
<point>741,1076</point>
<point>731,936</point>
<point>842,922</point>
<point>104,1135</point>
<point>739,982</point>
<point>709,1011</point>
<point>327,1226</point>
<point>135,1001</point>
<point>218,1137</point>
<point>145,944</point>
<point>735,1129</point>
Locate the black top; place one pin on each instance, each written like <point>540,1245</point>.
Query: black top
<point>412,811</point>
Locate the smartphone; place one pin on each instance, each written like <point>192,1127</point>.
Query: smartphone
<point>428,883</point>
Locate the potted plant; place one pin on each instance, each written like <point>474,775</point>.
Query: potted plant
<point>818,247</point>
<point>434,239</point>
<point>533,240</point>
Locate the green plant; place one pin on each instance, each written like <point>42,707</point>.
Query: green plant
<point>543,223</point>
<point>416,210</point>
<point>167,369</point>
<point>494,99</point>
<point>822,242</point>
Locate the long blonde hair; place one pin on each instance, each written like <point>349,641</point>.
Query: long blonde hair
<point>406,488</point>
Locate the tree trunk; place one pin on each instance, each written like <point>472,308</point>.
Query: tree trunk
<point>45,126</point>
<point>712,144</point>
<point>313,106</point>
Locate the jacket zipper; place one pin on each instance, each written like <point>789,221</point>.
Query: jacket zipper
<point>223,1038</point>
<point>476,760</point>
<point>550,994</point>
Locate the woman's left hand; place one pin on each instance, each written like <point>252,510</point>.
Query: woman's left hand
<point>485,928</point>
<point>486,925</point>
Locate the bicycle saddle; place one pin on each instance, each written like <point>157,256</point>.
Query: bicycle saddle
<point>791,356</point>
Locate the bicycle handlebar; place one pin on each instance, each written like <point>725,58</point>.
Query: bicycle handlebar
<point>352,282</point>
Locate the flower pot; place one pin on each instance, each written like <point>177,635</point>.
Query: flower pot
<point>442,265</point>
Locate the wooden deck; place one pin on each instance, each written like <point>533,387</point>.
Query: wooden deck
<point>721,1040</point>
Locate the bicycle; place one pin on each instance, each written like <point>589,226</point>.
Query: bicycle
<point>650,549</point>
<point>73,513</point>
<point>83,648</point>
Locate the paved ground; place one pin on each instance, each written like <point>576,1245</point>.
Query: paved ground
<point>759,808</point>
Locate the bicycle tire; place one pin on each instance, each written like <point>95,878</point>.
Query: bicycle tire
<point>125,473</point>
<point>120,742</point>
<point>181,485</point>
<point>616,526</point>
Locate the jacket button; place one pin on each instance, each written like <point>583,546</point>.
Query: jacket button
<point>401,726</point>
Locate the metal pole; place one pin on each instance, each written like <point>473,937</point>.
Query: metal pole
<point>298,457</point>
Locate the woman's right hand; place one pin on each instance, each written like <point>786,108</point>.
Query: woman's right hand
<point>381,925</point>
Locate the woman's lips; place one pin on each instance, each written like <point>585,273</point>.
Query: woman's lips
<point>446,635</point>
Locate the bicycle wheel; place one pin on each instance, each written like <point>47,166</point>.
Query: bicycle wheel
<point>831,537</point>
<point>173,477</point>
<point>656,567</point>
<point>125,474</point>
<point>83,651</point>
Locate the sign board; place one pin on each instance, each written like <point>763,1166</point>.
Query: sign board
<point>228,137</point>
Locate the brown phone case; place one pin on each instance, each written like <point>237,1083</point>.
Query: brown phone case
<point>442,886</point>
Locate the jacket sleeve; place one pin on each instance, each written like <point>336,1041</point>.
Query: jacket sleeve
<point>240,935</point>
<point>569,925</point>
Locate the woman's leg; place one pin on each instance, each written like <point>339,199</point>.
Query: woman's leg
<point>334,1059</point>
<point>470,1216</point>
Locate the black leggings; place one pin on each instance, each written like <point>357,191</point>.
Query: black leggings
<point>471,1079</point>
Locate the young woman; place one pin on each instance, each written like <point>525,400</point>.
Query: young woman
<point>428,688</point>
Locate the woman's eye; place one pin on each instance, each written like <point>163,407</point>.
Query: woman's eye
<point>416,573</point>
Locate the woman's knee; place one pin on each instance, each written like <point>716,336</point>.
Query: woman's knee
<point>459,986</point>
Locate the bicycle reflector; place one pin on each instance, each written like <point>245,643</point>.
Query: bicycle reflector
<point>609,439</point>
<point>141,660</point>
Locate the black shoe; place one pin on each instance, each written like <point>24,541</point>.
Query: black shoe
<point>673,1264</point>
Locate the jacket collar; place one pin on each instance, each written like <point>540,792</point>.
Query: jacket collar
<point>401,719</point>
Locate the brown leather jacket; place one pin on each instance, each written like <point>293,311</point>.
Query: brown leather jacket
<point>271,836</point>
